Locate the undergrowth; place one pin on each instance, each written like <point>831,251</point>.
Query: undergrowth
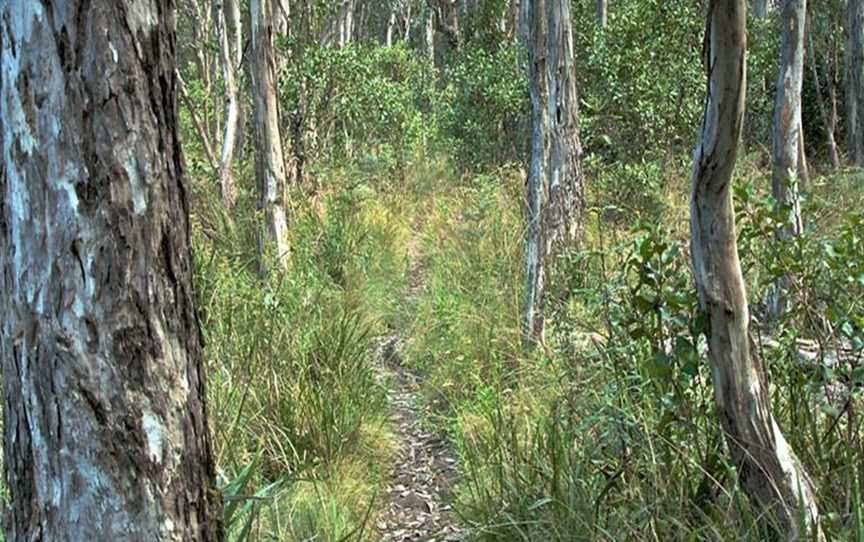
<point>296,403</point>
<point>609,432</point>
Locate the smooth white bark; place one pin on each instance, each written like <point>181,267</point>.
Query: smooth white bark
<point>269,163</point>
<point>768,469</point>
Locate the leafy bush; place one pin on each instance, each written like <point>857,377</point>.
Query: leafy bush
<point>640,80</point>
<point>359,101</point>
<point>485,105</point>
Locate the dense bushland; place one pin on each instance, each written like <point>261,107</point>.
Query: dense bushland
<point>408,215</point>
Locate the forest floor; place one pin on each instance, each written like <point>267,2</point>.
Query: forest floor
<point>419,493</point>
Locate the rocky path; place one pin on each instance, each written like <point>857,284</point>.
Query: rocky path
<point>418,495</point>
<point>425,470</point>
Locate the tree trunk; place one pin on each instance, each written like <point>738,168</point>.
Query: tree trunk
<point>281,19</point>
<point>407,36</point>
<point>829,116</point>
<point>391,25</point>
<point>787,137</point>
<point>230,60</point>
<point>269,163</point>
<point>430,35</point>
<point>346,23</point>
<point>105,433</point>
<point>768,469</point>
<point>602,12</point>
<point>763,8</point>
<point>803,168</point>
<point>555,180</point>
<point>855,81</point>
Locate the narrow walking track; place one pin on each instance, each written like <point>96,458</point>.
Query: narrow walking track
<point>418,495</point>
<point>425,470</point>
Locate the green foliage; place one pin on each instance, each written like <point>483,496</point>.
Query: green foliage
<point>467,310</point>
<point>292,388</point>
<point>485,104</point>
<point>359,101</point>
<point>641,81</point>
<point>241,510</point>
<point>609,429</point>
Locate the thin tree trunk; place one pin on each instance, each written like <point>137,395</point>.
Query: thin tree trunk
<point>391,25</point>
<point>514,31</point>
<point>407,36</point>
<point>855,81</point>
<point>787,138</point>
<point>828,119</point>
<point>556,181</point>
<point>803,168</point>
<point>269,162</point>
<point>602,12</point>
<point>105,426</point>
<point>768,469</point>
<point>833,115</point>
<point>196,121</point>
<point>346,23</point>
<point>228,187</point>
<point>430,35</point>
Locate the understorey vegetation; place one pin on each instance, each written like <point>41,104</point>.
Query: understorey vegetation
<point>407,214</point>
<point>634,314</point>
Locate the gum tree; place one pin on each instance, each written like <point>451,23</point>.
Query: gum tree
<point>269,162</point>
<point>555,178</point>
<point>787,133</point>
<point>105,433</point>
<point>768,469</point>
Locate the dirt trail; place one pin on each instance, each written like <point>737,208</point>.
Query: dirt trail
<point>418,495</point>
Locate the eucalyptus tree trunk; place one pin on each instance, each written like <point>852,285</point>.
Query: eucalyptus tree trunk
<point>430,35</point>
<point>406,37</point>
<point>760,8</point>
<point>391,26</point>
<point>105,433</point>
<point>230,59</point>
<point>788,137</point>
<point>555,179</point>
<point>768,469</point>
<point>763,8</point>
<point>827,108</point>
<point>602,12</point>
<point>803,168</point>
<point>345,22</point>
<point>269,162</point>
<point>855,81</point>
<point>281,17</point>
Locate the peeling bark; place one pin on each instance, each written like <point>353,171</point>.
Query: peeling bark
<point>788,137</point>
<point>269,162</point>
<point>769,471</point>
<point>555,182</point>
<point>105,433</point>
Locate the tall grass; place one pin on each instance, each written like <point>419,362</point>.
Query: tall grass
<point>297,406</point>
<point>610,433</point>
